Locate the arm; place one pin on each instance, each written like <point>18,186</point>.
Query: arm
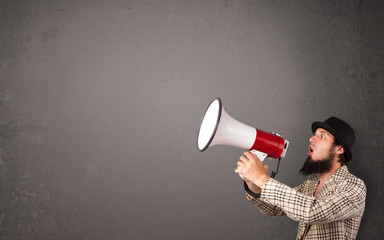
<point>344,203</point>
<point>252,169</point>
<point>264,207</point>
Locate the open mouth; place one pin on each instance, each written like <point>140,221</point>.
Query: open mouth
<point>310,150</point>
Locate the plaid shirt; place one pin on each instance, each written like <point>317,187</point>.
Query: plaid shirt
<point>335,213</point>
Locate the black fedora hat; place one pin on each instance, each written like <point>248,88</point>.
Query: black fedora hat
<point>342,132</point>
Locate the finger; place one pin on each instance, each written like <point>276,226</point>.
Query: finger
<point>249,155</point>
<point>266,168</point>
<point>240,164</point>
<point>252,157</point>
<point>244,159</point>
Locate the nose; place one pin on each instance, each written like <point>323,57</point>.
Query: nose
<point>312,139</point>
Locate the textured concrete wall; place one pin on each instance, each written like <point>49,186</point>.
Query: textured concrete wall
<point>101,100</point>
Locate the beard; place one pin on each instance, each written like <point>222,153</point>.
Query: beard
<point>320,166</point>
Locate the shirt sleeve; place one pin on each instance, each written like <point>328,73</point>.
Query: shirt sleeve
<point>264,207</point>
<point>267,208</point>
<point>342,204</point>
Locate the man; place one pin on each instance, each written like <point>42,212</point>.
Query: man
<point>330,203</point>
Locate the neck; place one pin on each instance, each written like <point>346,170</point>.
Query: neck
<point>325,176</point>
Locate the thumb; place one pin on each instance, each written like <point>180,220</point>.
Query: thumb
<point>265,167</point>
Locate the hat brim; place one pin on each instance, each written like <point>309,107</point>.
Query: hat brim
<point>347,151</point>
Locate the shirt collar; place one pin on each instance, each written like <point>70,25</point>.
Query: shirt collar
<point>340,173</point>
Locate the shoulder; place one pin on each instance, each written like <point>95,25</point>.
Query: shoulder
<point>348,181</point>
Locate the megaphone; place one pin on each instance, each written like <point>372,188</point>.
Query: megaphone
<point>219,128</point>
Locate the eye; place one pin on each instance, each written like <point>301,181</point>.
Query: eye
<point>322,136</point>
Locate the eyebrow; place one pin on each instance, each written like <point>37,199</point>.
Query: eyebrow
<point>321,131</point>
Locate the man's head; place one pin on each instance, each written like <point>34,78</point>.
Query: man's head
<point>323,152</point>
<point>330,144</point>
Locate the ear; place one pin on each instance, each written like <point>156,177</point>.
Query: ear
<point>339,150</point>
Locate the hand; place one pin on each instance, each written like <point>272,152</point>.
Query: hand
<point>253,170</point>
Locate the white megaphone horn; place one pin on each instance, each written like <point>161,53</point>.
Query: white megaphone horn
<point>219,128</point>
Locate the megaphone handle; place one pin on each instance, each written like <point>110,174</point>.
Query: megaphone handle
<point>259,155</point>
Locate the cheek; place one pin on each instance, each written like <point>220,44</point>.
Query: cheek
<point>323,150</point>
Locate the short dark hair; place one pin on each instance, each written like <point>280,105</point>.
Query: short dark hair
<point>342,158</point>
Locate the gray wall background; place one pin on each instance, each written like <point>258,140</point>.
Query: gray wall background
<point>101,101</point>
